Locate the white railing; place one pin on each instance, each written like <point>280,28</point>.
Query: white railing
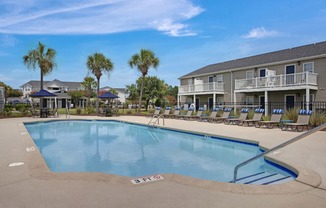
<point>283,80</point>
<point>205,87</point>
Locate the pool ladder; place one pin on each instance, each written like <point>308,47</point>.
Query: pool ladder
<point>156,120</point>
<point>67,112</point>
<point>301,136</point>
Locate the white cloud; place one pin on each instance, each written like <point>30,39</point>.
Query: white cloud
<point>7,41</point>
<point>96,16</point>
<point>173,29</point>
<point>260,32</point>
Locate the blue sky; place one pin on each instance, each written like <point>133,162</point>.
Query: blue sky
<point>184,34</point>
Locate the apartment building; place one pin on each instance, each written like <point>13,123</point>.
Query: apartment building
<point>286,78</point>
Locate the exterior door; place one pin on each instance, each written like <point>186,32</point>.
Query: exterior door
<point>210,103</point>
<point>289,71</point>
<point>289,101</point>
<point>63,105</point>
<point>197,103</point>
<point>262,102</point>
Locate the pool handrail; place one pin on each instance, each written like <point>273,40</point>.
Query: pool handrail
<point>307,133</point>
<point>157,120</point>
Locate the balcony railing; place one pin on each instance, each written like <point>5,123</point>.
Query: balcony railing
<point>205,87</point>
<point>284,80</point>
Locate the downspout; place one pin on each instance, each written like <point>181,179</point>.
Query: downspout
<point>231,81</point>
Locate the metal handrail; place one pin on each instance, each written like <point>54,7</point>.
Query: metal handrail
<point>235,172</point>
<point>157,120</point>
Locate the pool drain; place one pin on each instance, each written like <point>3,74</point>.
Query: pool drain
<point>15,164</point>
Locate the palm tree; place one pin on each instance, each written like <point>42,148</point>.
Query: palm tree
<point>97,64</point>
<point>143,62</point>
<point>43,58</point>
<point>89,85</point>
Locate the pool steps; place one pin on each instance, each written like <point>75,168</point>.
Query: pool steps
<point>264,178</point>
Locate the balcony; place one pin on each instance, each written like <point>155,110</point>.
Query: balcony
<point>203,88</point>
<point>277,82</point>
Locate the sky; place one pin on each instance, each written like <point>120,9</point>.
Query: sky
<point>184,34</point>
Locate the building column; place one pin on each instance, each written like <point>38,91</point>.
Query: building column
<point>266,103</point>
<point>55,102</point>
<point>307,98</point>
<point>214,100</point>
<point>235,102</point>
<point>194,101</point>
<point>178,100</point>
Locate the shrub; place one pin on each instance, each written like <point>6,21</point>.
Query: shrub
<point>251,114</point>
<point>291,114</point>
<point>317,119</point>
<point>129,112</point>
<point>78,111</point>
<point>89,110</point>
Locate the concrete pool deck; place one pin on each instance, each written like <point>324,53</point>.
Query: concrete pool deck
<point>33,185</point>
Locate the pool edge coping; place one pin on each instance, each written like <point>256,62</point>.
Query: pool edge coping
<point>306,180</point>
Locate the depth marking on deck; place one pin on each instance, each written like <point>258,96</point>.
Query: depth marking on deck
<point>23,133</point>
<point>147,179</point>
<point>30,149</point>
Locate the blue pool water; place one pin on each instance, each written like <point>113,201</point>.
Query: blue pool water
<point>135,150</point>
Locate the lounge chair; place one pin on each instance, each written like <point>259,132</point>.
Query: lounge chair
<point>225,116</point>
<point>175,114</point>
<point>156,113</point>
<point>243,116</point>
<point>211,116</point>
<point>257,117</point>
<point>275,119</point>
<point>197,116</point>
<point>302,121</point>
<point>167,112</point>
<point>188,114</point>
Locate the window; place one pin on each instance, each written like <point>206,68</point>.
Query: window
<point>308,67</point>
<point>250,74</point>
<point>249,100</point>
<point>219,78</point>
<point>262,72</point>
<point>210,79</point>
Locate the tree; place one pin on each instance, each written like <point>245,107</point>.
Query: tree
<point>113,91</point>
<point>133,92</point>
<point>43,58</point>
<point>143,62</point>
<point>9,92</point>
<point>98,64</point>
<point>89,85</point>
<point>153,88</point>
<point>76,95</point>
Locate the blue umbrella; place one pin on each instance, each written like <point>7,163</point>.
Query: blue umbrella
<point>108,95</point>
<point>43,93</point>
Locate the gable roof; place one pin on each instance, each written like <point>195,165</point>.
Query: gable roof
<point>119,90</point>
<point>297,53</point>
<point>70,85</point>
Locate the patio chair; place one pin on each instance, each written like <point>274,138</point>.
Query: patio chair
<point>167,112</point>
<point>197,116</point>
<point>188,114</point>
<point>275,119</point>
<point>34,112</point>
<point>225,116</point>
<point>243,116</point>
<point>101,112</point>
<point>54,112</point>
<point>257,117</point>
<point>302,121</point>
<point>175,114</point>
<point>211,116</point>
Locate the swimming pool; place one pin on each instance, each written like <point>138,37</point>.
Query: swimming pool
<point>136,150</point>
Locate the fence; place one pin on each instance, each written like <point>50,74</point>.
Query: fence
<point>314,106</point>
